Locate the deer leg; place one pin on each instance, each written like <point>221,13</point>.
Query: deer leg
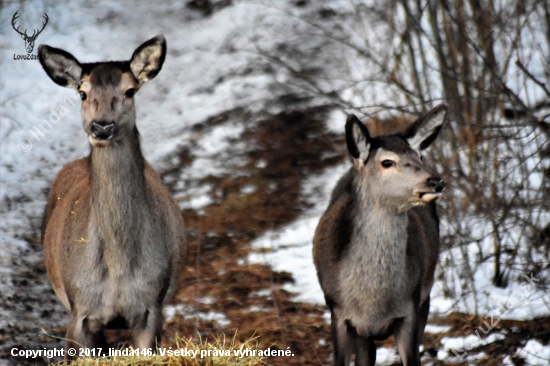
<point>342,341</point>
<point>147,333</point>
<point>423,312</point>
<point>365,352</point>
<point>406,337</point>
<point>83,332</point>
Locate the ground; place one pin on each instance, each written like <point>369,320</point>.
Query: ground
<point>222,292</point>
<point>250,160</point>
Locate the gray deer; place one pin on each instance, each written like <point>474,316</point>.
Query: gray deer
<point>114,239</point>
<point>377,244</point>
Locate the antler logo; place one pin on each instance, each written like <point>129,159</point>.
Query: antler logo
<point>29,40</point>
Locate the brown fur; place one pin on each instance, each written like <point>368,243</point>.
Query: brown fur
<point>381,127</point>
<point>114,239</point>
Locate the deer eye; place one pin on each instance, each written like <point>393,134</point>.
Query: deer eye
<point>387,164</point>
<point>130,93</point>
<point>82,95</point>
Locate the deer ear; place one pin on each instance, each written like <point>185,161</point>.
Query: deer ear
<point>62,67</point>
<point>148,58</point>
<point>357,138</point>
<point>424,130</point>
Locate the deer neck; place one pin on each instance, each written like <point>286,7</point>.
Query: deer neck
<point>118,202</point>
<point>380,240</point>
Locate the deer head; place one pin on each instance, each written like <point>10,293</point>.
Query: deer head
<point>29,40</point>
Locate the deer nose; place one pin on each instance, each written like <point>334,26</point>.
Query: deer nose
<point>103,130</point>
<point>437,184</point>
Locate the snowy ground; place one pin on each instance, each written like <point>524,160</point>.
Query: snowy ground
<point>203,76</point>
<point>290,249</point>
<point>206,73</point>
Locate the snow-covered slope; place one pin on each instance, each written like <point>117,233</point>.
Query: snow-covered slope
<point>204,75</point>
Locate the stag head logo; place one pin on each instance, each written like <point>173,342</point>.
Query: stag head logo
<point>29,40</point>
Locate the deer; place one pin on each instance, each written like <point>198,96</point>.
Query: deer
<point>114,238</point>
<point>376,246</point>
<point>29,40</point>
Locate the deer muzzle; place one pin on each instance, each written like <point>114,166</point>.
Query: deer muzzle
<point>437,184</point>
<point>102,130</point>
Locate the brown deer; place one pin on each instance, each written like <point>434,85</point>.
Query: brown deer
<point>377,244</point>
<point>29,40</point>
<point>113,237</point>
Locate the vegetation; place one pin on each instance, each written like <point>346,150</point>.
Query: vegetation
<point>188,352</point>
<point>489,61</point>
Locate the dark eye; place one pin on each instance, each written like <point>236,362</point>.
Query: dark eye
<point>130,93</point>
<point>82,95</point>
<point>387,163</point>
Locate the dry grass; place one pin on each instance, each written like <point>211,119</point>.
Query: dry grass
<point>220,352</point>
<point>284,150</point>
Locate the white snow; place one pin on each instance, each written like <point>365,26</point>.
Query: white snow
<point>434,329</point>
<point>187,312</point>
<point>535,353</point>
<point>386,356</point>
<point>291,246</point>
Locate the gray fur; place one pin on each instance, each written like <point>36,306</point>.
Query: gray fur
<point>374,268</point>
<point>376,245</point>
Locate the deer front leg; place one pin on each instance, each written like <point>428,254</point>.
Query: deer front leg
<point>365,352</point>
<point>406,337</point>
<point>147,333</point>
<point>83,332</point>
<point>423,313</point>
<point>342,341</point>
